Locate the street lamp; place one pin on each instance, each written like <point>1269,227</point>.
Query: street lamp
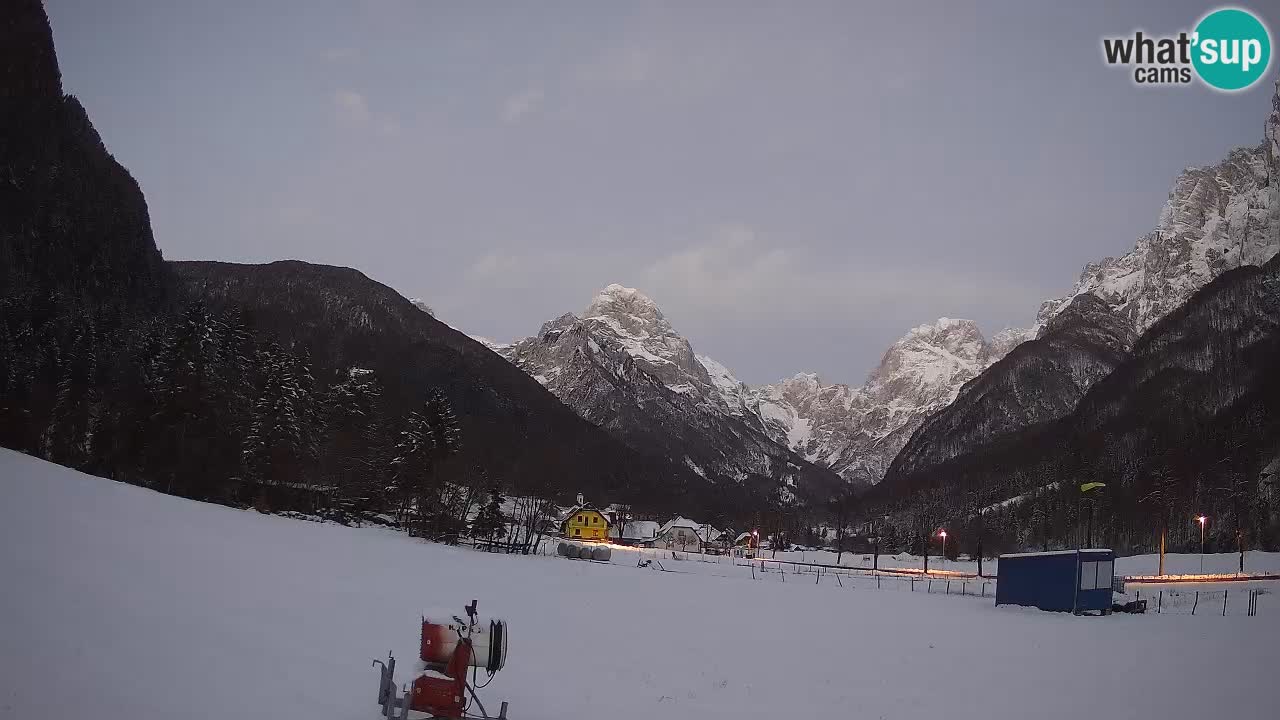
<point>943,534</point>
<point>1201,519</point>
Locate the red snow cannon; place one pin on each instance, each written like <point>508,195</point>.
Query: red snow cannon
<point>449,648</point>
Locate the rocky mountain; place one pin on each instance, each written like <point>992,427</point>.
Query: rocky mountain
<point>512,429</point>
<point>623,366</point>
<point>1217,218</point>
<point>78,263</point>
<point>857,431</point>
<point>622,353</point>
<point>1039,380</point>
<point>1187,423</point>
<point>74,226</point>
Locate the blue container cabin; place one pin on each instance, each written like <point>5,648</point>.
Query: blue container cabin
<point>1076,581</point>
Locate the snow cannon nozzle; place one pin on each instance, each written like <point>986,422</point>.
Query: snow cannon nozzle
<point>451,647</point>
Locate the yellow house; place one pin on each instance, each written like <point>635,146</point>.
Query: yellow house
<point>585,523</point>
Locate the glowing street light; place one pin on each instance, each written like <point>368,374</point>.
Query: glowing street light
<point>943,534</point>
<point>1201,519</point>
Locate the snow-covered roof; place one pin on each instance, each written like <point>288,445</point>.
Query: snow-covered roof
<point>581,508</point>
<point>636,530</point>
<point>679,521</point>
<point>1055,552</point>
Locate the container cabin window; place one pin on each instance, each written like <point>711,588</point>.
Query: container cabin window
<point>1104,574</point>
<point>1088,575</point>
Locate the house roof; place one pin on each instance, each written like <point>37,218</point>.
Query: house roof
<point>679,521</point>
<point>582,508</point>
<point>636,530</point>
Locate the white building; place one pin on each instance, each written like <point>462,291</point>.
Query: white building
<point>679,533</point>
<point>634,532</point>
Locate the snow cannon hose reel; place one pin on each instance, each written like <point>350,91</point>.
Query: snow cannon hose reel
<point>449,648</point>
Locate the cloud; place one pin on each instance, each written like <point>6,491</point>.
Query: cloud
<point>496,266</point>
<point>521,104</point>
<point>737,276</point>
<point>353,112</point>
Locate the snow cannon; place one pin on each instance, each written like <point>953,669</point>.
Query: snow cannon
<point>487,639</point>
<point>449,648</point>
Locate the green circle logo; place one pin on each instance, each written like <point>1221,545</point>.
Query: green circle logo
<point>1232,49</point>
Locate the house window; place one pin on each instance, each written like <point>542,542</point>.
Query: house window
<point>577,531</point>
<point>579,519</point>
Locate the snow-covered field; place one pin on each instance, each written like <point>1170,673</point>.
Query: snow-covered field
<point>120,603</point>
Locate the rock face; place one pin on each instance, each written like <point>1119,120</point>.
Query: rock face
<point>28,65</point>
<point>1216,219</point>
<point>74,226</point>
<point>1192,407</point>
<point>1040,380</point>
<point>622,366</point>
<point>858,431</point>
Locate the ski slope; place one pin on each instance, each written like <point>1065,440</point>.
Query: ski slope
<point>123,604</point>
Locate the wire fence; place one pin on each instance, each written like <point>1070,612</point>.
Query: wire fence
<point>1234,601</point>
<point>1225,602</point>
<point>859,578</point>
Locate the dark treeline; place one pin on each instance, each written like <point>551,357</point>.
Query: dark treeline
<point>194,404</point>
<point>1189,425</point>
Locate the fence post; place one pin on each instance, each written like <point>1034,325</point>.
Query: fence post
<point>1196,603</point>
<point>877,582</point>
<point>948,587</point>
<point>1160,603</point>
<point>817,576</point>
<point>929,589</point>
<point>1224,602</point>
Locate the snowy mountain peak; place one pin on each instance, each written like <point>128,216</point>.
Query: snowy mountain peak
<point>801,382</point>
<point>615,300</point>
<point>933,352</point>
<point>632,320</point>
<point>1217,218</point>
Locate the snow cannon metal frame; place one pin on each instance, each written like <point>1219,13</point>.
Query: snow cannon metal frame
<point>448,648</point>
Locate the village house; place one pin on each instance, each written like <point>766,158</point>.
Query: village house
<point>679,533</point>
<point>585,523</point>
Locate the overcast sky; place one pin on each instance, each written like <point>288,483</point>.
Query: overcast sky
<point>796,184</point>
